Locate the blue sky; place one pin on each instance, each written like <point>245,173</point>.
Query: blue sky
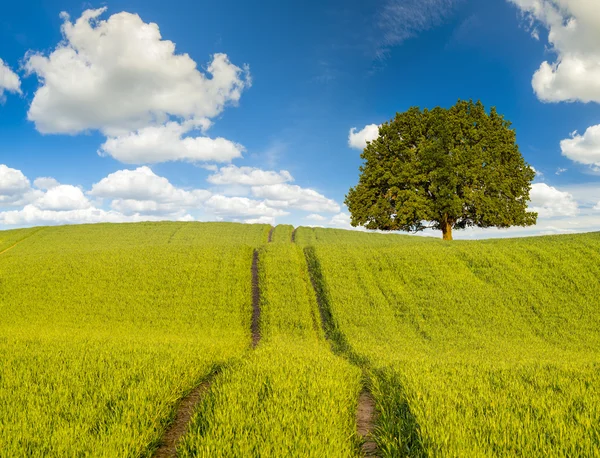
<point>122,127</point>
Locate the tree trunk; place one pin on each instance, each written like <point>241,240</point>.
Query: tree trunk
<point>447,230</point>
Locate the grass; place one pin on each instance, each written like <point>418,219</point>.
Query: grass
<point>292,397</point>
<point>482,348</point>
<point>104,328</point>
<point>487,348</point>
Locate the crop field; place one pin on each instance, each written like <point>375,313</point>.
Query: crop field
<point>475,348</point>
<point>103,328</point>
<point>487,348</point>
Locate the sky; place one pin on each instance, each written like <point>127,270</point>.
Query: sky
<point>258,111</point>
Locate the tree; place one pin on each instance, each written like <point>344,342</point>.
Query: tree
<point>443,169</point>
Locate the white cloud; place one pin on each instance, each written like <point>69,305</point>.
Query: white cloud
<point>574,34</point>
<point>358,140</point>
<point>249,176</point>
<point>118,75</point>
<point>261,220</point>
<point>241,206</point>
<point>168,143</point>
<point>13,185</point>
<point>537,172</point>
<point>45,183</point>
<point>292,196</point>
<point>400,20</point>
<point>142,191</point>
<point>9,81</point>
<point>585,148</point>
<point>315,217</point>
<point>549,202</point>
<point>32,215</point>
<point>63,198</point>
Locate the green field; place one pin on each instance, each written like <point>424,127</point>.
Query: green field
<point>478,348</point>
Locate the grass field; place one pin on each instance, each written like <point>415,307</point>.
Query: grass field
<point>487,348</point>
<point>482,348</point>
<point>103,328</point>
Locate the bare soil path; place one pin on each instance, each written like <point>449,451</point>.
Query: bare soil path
<point>187,406</point>
<point>366,416</point>
<point>255,326</point>
<point>22,240</point>
<point>271,235</point>
<point>366,412</point>
<point>183,416</point>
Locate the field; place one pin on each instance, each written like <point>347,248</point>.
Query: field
<point>483,348</point>
<point>487,348</point>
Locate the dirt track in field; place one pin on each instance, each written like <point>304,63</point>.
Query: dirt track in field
<point>22,240</point>
<point>183,416</point>
<point>255,326</point>
<point>168,447</point>
<point>271,235</point>
<point>366,415</point>
<point>10,247</point>
<point>366,412</point>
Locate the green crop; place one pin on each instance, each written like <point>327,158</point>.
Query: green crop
<point>103,328</point>
<point>481,348</point>
<point>292,397</point>
<point>487,348</point>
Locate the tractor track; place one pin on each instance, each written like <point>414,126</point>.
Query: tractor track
<point>187,406</point>
<point>22,240</point>
<point>366,412</point>
<point>183,416</point>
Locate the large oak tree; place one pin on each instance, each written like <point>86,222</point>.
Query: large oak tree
<point>444,169</point>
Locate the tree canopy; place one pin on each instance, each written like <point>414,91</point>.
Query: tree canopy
<point>443,169</point>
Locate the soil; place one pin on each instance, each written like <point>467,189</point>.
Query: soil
<point>182,419</point>
<point>271,235</point>
<point>10,247</point>
<point>255,326</point>
<point>365,422</point>
<point>294,236</point>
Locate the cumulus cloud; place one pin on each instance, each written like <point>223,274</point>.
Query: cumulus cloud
<point>242,206</point>
<point>315,217</point>
<point>261,220</point>
<point>45,183</point>
<point>142,191</point>
<point>118,75</point>
<point>9,81</point>
<point>63,198</point>
<point>549,202</point>
<point>573,34</point>
<point>248,176</point>
<point>292,196</point>
<point>32,215</point>
<point>359,139</point>
<point>169,143</point>
<point>585,148</point>
<point>13,185</point>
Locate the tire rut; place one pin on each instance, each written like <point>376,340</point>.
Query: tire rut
<point>187,406</point>
<point>22,240</point>
<point>255,326</point>
<point>366,412</point>
<point>270,239</point>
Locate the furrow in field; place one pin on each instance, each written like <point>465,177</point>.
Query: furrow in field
<point>255,327</point>
<point>366,414</point>
<point>183,416</point>
<point>19,241</point>
<point>271,234</point>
